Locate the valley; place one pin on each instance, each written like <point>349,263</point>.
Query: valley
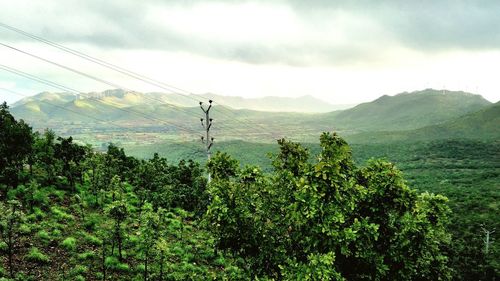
<point>443,142</point>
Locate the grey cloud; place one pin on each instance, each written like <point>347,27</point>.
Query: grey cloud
<point>421,25</point>
<point>425,24</point>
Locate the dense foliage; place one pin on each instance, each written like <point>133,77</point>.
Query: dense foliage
<point>327,219</point>
<point>70,213</point>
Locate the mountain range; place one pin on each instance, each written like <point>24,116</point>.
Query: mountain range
<point>123,98</point>
<point>405,116</point>
<point>410,110</point>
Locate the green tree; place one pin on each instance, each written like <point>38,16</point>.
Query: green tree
<point>16,140</point>
<point>119,163</point>
<point>10,220</point>
<point>118,211</point>
<point>189,187</point>
<point>149,234</point>
<point>44,155</point>
<point>95,170</point>
<point>71,156</point>
<point>327,219</point>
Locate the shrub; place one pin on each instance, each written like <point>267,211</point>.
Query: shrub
<point>92,240</point>
<point>60,215</point>
<point>56,232</point>
<point>79,270</point>
<point>44,235</point>
<point>40,198</point>
<point>113,263</point>
<point>35,255</point>
<point>3,246</point>
<point>69,244</point>
<point>86,255</point>
<point>24,229</point>
<point>91,221</point>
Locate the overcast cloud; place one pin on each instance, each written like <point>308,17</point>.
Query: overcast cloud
<point>289,32</point>
<point>333,36</point>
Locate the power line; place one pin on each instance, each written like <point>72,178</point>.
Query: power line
<point>115,68</point>
<point>65,88</point>
<point>82,114</point>
<point>95,78</point>
<point>264,130</point>
<point>92,77</point>
<point>67,109</point>
<point>114,85</point>
<point>104,63</point>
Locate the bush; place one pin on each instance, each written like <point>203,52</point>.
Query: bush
<point>69,244</point>
<point>79,270</point>
<point>79,278</point>
<point>60,215</point>
<point>3,246</point>
<point>56,232</point>
<point>25,229</point>
<point>92,240</point>
<point>40,198</point>
<point>86,255</point>
<point>91,221</point>
<point>35,255</point>
<point>113,263</point>
<point>44,236</point>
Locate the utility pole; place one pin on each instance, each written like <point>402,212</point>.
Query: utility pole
<point>207,140</point>
<point>487,241</point>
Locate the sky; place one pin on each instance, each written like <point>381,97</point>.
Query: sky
<point>343,52</point>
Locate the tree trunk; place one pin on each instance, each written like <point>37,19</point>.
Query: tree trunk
<point>146,265</point>
<point>119,240</point>
<point>161,266</point>
<point>103,259</point>
<point>10,247</point>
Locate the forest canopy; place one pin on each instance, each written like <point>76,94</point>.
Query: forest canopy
<point>68,211</point>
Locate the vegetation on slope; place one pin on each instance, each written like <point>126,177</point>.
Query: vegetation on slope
<point>409,110</point>
<point>480,125</point>
<point>400,112</point>
<point>71,213</point>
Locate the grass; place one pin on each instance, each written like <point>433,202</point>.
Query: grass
<point>35,255</point>
<point>69,244</point>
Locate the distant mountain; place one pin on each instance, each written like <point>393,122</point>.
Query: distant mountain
<point>54,98</point>
<point>133,111</point>
<point>482,125</point>
<point>408,110</point>
<point>111,105</point>
<point>278,104</point>
<point>123,98</point>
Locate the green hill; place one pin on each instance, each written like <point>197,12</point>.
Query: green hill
<point>479,125</point>
<point>53,98</point>
<point>134,111</point>
<point>407,111</point>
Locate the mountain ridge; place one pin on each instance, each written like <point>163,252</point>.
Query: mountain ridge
<point>407,111</point>
<point>402,112</point>
<point>482,124</point>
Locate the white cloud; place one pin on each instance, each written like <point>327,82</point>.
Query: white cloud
<point>343,53</point>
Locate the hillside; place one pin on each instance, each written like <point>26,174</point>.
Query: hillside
<point>278,104</point>
<point>155,117</point>
<point>123,98</point>
<point>407,111</point>
<point>54,98</point>
<point>479,125</point>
